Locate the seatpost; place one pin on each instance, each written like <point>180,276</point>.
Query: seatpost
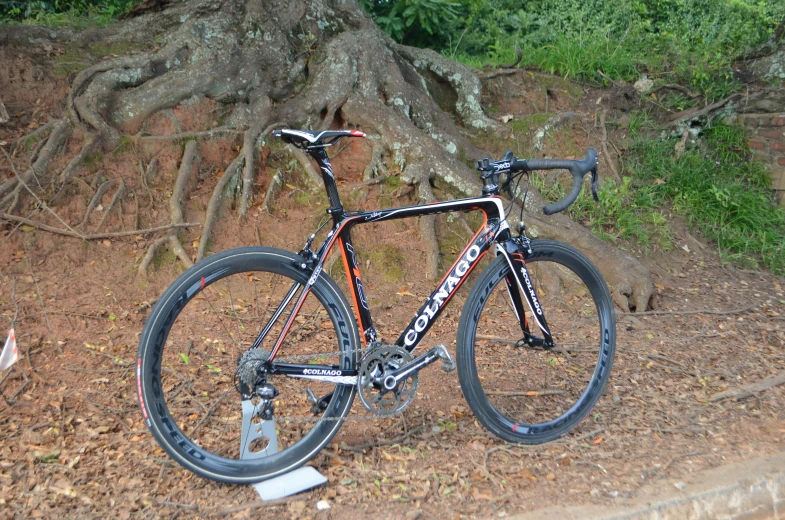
<point>336,208</point>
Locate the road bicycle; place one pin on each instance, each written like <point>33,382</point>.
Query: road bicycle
<point>250,361</point>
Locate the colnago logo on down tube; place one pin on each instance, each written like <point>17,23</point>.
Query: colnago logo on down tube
<point>449,285</point>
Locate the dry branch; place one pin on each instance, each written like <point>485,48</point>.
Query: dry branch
<point>93,236</point>
<point>684,313</point>
<point>605,152</point>
<point>684,90</point>
<point>3,113</point>
<point>694,113</point>
<point>751,389</point>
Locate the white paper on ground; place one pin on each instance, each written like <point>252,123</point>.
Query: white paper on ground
<point>291,483</point>
<point>10,353</point>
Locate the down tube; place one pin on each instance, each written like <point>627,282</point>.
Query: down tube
<point>436,302</point>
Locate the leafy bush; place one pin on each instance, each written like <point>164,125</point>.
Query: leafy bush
<point>62,12</point>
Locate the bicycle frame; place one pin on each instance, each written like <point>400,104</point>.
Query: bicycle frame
<point>494,230</point>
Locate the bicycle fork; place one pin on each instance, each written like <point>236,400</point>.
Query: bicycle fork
<point>515,251</point>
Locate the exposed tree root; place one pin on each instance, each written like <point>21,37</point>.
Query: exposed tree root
<point>312,178</point>
<point>214,206</point>
<point>550,125</point>
<point>428,230</point>
<point>206,134</point>
<point>375,168</point>
<point>10,190</point>
<point>78,159</point>
<point>38,132</point>
<point>99,193</point>
<point>176,213</point>
<point>276,183</point>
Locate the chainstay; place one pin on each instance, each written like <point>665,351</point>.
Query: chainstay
<point>319,419</point>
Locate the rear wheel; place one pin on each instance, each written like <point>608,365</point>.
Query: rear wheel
<point>527,394</point>
<point>188,359</point>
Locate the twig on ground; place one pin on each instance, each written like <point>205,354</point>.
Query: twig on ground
<point>593,464</point>
<point>693,113</point>
<point>750,389</point>
<point>613,82</point>
<point>255,505</point>
<point>42,203</point>
<point>684,313</point>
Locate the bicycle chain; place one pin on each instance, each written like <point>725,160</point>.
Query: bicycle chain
<point>347,418</point>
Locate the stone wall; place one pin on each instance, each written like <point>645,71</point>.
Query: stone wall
<point>766,133</point>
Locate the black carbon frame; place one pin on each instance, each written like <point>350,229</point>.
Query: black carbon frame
<point>493,230</point>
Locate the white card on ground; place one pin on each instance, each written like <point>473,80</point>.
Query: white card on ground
<point>10,354</point>
<point>291,483</point>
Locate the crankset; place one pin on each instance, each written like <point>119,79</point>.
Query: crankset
<point>388,376</point>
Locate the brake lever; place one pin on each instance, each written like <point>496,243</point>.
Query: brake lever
<point>594,177</point>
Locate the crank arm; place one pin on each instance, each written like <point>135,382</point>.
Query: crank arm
<point>392,378</point>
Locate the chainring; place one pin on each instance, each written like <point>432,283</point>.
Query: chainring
<point>374,366</point>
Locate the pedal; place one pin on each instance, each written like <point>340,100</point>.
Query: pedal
<point>448,364</point>
<point>318,404</point>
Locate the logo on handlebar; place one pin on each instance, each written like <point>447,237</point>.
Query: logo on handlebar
<point>502,166</point>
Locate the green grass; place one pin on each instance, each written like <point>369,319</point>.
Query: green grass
<point>691,42</point>
<point>720,191</point>
<point>714,186</point>
<point>624,213</point>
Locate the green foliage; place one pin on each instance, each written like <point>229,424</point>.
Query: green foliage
<point>626,212</point>
<point>417,20</point>
<point>720,191</point>
<point>714,186</point>
<point>76,13</point>
<point>692,42</point>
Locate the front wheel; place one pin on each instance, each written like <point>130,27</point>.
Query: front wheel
<point>200,333</point>
<point>530,394</point>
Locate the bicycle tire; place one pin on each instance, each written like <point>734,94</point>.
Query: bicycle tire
<point>487,338</point>
<point>175,383</point>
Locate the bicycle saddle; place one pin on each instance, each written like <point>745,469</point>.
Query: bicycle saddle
<point>309,139</point>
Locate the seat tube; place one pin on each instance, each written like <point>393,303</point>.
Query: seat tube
<point>336,208</point>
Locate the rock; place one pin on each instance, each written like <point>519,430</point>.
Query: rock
<point>643,85</point>
<point>322,505</point>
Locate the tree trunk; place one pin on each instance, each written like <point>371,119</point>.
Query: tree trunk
<point>309,64</point>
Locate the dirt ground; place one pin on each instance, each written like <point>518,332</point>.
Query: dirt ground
<point>73,440</point>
